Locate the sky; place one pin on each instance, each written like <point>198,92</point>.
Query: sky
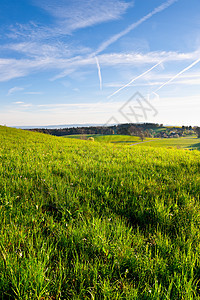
<point>99,62</point>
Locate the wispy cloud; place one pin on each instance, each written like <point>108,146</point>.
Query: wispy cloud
<point>14,90</point>
<point>99,72</point>
<point>39,48</point>
<point>35,49</point>
<point>146,58</point>
<point>71,15</point>
<point>27,105</point>
<point>22,104</point>
<point>33,93</point>
<point>129,59</point>
<point>15,68</point>
<point>119,35</point>
<point>68,16</point>
<point>18,102</point>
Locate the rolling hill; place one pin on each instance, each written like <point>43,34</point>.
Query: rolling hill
<point>89,220</point>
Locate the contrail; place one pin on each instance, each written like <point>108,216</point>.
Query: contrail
<point>134,79</point>
<point>158,97</point>
<point>117,36</point>
<point>99,72</point>
<point>177,75</point>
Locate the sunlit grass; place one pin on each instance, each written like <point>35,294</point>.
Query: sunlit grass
<point>122,139</point>
<point>191,142</point>
<point>82,220</point>
<point>179,143</point>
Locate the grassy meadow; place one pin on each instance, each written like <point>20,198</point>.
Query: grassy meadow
<point>116,139</point>
<point>89,220</point>
<point>190,142</point>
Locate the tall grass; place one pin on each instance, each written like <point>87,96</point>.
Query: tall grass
<point>83,220</point>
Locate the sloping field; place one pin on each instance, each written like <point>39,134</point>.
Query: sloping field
<point>122,139</point>
<point>180,143</point>
<point>119,139</point>
<point>85,220</point>
<point>192,142</point>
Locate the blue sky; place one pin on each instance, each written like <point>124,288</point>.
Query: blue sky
<point>75,61</point>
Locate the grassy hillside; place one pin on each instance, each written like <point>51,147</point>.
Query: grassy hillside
<point>87,220</point>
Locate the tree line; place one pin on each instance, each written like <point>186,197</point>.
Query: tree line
<point>142,130</point>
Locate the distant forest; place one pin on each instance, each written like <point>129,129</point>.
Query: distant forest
<point>142,130</point>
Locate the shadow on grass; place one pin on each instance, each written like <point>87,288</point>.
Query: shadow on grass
<point>194,147</point>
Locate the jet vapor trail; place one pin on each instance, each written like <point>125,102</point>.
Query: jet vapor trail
<point>99,72</point>
<point>158,97</point>
<point>177,75</point>
<point>134,79</point>
<point>117,36</point>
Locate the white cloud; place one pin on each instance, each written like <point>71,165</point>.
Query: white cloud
<point>14,90</point>
<point>33,93</point>
<point>22,104</point>
<point>27,105</point>
<point>37,49</point>
<point>129,59</point>
<point>69,15</point>
<point>146,58</point>
<point>15,68</point>
<point>76,14</point>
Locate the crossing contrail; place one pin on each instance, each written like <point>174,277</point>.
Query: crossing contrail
<point>134,79</point>
<point>117,36</point>
<point>177,75</point>
<point>99,72</point>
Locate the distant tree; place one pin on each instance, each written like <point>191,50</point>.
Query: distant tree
<point>197,130</point>
<point>141,136</point>
<point>133,130</point>
<point>147,133</point>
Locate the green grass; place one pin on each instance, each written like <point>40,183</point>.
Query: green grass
<point>124,139</point>
<point>121,139</point>
<point>88,220</point>
<point>191,142</point>
<point>81,136</point>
